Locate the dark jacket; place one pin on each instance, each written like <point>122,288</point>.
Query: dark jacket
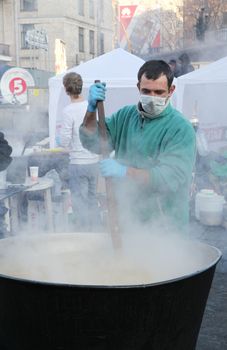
<point>5,152</point>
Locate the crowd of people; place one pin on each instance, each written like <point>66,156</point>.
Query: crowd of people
<point>181,66</point>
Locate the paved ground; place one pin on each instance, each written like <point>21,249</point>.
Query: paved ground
<point>213,333</point>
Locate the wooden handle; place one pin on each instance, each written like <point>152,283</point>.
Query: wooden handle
<point>102,126</point>
<point>111,200</point>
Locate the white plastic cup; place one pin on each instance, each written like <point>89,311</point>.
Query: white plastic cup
<point>34,172</point>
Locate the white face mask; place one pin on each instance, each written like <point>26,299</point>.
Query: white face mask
<point>153,105</point>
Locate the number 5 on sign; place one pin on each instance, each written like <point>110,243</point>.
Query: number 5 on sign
<point>17,86</point>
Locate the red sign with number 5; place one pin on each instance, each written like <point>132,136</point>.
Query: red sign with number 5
<point>17,86</point>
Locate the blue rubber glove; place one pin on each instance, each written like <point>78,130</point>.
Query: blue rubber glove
<point>110,167</point>
<point>96,93</point>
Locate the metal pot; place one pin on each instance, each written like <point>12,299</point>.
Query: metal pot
<point>160,315</point>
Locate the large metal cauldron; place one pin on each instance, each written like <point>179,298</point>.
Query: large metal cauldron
<point>162,315</point>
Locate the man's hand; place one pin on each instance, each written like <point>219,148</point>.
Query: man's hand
<point>111,168</point>
<point>96,93</point>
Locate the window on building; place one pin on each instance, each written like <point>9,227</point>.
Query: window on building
<point>91,9</point>
<point>24,29</point>
<point>81,7</point>
<point>81,39</point>
<point>101,41</point>
<point>28,5</point>
<point>92,41</point>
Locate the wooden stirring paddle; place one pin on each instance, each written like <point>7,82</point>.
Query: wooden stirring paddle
<point>111,200</point>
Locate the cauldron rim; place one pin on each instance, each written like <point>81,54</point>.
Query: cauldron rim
<point>126,286</point>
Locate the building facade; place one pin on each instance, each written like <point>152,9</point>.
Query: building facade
<point>54,34</point>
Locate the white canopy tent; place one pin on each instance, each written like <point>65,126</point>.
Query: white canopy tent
<point>203,93</point>
<point>118,68</point>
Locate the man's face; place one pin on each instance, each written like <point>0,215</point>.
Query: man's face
<point>158,87</point>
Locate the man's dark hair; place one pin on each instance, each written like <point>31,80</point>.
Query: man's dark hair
<point>153,69</point>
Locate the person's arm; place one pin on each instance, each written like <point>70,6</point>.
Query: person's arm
<point>112,168</point>
<point>139,175</point>
<point>173,169</point>
<point>89,125</point>
<point>89,130</point>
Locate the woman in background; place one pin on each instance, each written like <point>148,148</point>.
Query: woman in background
<point>83,167</point>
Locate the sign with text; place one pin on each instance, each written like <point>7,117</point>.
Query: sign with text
<point>37,38</point>
<point>126,15</point>
<point>140,29</point>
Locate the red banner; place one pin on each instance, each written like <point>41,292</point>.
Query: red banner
<point>126,15</point>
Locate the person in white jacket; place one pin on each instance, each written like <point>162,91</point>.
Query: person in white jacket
<point>83,167</point>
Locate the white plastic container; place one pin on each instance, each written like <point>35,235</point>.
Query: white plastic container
<point>209,207</point>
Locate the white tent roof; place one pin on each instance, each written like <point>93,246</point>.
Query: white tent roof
<point>203,92</point>
<point>118,68</point>
<point>215,72</point>
<point>115,67</point>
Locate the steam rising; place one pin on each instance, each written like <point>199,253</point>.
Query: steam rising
<point>89,259</point>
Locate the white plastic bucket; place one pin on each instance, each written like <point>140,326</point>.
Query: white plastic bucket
<point>209,207</point>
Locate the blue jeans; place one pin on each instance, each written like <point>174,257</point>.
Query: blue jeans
<point>83,184</point>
